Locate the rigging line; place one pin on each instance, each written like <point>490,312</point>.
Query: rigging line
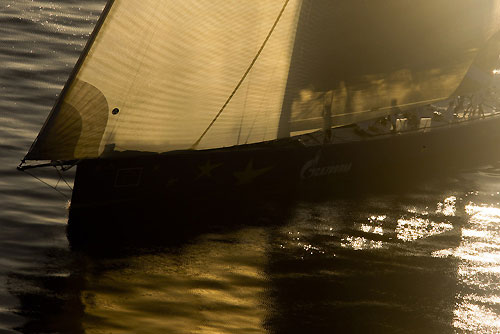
<point>73,164</point>
<point>62,177</point>
<point>266,98</point>
<point>266,112</point>
<point>494,108</point>
<point>246,99</point>
<point>59,180</point>
<point>388,108</point>
<point>243,114</point>
<point>48,185</point>
<point>253,125</point>
<point>244,76</point>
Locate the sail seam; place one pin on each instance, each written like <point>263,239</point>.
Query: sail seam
<point>137,71</point>
<point>244,76</point>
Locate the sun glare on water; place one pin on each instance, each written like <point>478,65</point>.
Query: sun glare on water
<point>478,271</point>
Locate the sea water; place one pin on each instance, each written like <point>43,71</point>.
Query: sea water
<point>425,260</point>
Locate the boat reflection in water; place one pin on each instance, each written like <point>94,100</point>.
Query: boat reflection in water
<point>217,284</point>
<point>417,262</point>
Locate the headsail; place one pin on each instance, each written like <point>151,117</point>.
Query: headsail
<point>159,71</point>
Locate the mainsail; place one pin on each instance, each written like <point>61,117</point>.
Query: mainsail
<point>157,72</point>
<point>374,56</point>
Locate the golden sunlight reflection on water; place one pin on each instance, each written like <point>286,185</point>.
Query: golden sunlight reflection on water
<point>412,225</point>
<point>419,225</point>
<point>223,280</point>
<point>478,271</point>
<point>360,243</point>
<point>417,228</point>
<point>374,226</point>
<point>213,286</point>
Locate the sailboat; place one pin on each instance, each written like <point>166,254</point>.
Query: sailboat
<point>193,98</point>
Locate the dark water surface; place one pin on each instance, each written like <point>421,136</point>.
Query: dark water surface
<point>424,261</point>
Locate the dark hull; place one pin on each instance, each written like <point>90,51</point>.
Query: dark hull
<point>166,196</point>
<point>277,168</point>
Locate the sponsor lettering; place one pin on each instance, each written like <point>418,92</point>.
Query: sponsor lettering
<point>311,169</point>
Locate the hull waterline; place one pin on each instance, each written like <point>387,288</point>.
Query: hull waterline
<point>141,199</point>
<point>281,167</point>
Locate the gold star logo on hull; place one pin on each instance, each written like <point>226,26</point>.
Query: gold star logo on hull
<point>247,175</point>
<point>206,169</point>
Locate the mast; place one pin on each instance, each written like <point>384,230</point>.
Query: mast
<point>293,76</point>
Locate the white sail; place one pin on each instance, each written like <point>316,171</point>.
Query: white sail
<point>158,73</point>
<point>161,71</point>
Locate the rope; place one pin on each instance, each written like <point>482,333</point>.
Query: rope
<point>48,185</point>
<point>243,78</point>
<point>62,177</point>
<point>57,183</point>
